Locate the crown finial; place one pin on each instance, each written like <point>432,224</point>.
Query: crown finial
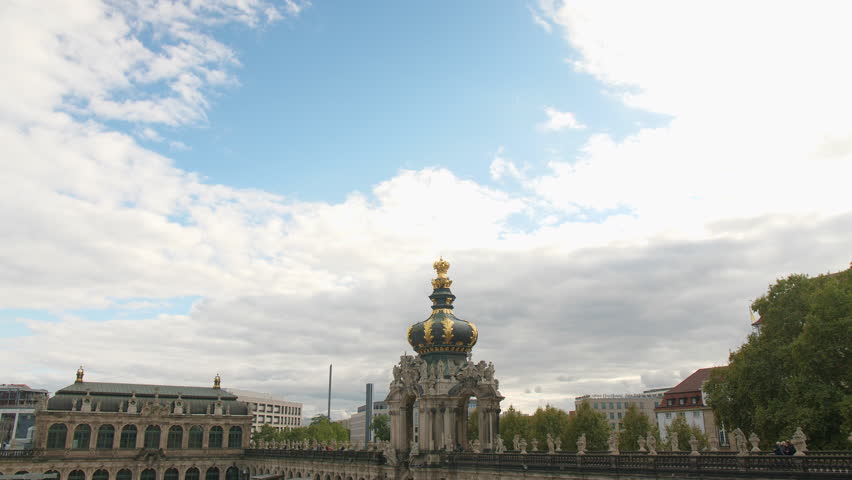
<point>80,373</point>
<point>441,266</point>
<point>217,381</point>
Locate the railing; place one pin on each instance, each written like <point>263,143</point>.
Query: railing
<point>16,453</point>
<point>814,465</point>
<point>347,456</point>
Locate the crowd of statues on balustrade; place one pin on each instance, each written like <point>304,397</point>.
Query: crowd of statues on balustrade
<point>520,445</point>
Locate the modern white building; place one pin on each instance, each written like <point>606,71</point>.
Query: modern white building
<point>269,410</point>
<point>17,414</point>
<point>357,422</point>
<point>614,406</point>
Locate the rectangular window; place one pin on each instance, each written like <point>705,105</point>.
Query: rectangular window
<point>611,406</point>
<point>618,405</point>
<point>682,414</point>
<point>695,400</point>
<point>681,401</point>
<point>668,415</point>
<point>611,416</point>
<point>269,419</point>
<point>696,414</point>
<point>619,415</point>
<point>670,402</point>
<point>595,406</point>
<point>277,409</point>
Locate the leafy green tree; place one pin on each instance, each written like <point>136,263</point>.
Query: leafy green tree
<point>633,425</point>
<point>513,422</point>
<point>324,431</point>
<point>795,372</point>
<point>266,433</point>
<point>592,423</point>
<point>684,431</point>
<point>473,425</point>
<point>381,427</point>
<point>549,420</point>
<point>318,418</point>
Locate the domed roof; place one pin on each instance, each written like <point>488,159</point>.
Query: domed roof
<point>442,332</point>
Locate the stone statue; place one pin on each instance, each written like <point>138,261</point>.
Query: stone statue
<point>397,373</point>
<point>424,369</point>
<point>500,447</point>
<point>523,446</point>
<point>652,444</point>
<point>799,440</point>
<point>675,443</point>
<point>641,442</point>
<point>516,442</point>
<point>612,442</point>
<point>740,442</point>
<point>713,441</point>
<point>550,446</point>
<point>754,440</point>
<point>693,446</point>
<point>439,369</point>
<point>581,445</point>
<point>488,374</point>
<point>534,444</point>
<point>390,454</point>
<point>414,449</point>
<point>558,444</point>
<point>475,446</point>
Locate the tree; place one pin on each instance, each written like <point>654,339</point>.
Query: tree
<point>635,424</point>
<point>512,423</point>
<point>590,422</point>
<point>381,427</point>
<point>549,420</point>
<point>318,418</point>
<point>684,431</point>
<point>267,433</point>
<point>795,372</point>
<point>473,425</point>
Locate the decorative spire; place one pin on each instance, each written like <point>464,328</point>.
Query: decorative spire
<point>80,373</point>
<point>441,266</point>
<point>217,381</point>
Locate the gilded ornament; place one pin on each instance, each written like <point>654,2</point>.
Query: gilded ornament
<point>448,330</point>
<point>427,331</point>
<point>475,333</point>
<point>408,334</point>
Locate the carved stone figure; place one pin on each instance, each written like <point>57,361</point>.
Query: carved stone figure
<point>693,446</point>
<point>713,441</point>
<point>500,447</point>
<point>523,446</point>
<point>652,444</point>
<point>414,450</point>
<point>550,445</point>
<point>581,445</point>
<point>641,442</point>
<point>475,446</point>
<point>674,442</point>
<point>516,442</point>
<point>558,444</point>
<point>799,440</point>
<point>488,374</point>
<point>390,454</point>
<point>397,373</point>
<point>534,444</point>
<point>740,442</point>
<point>612,442</point>
<point>439,369</point>
<point>754,440</point>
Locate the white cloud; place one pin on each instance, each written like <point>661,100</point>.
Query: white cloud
<point>557,121</point>
<point>501,167</point>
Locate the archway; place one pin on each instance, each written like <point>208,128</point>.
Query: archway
<point>148,474</point>
<point>100,475</point>
<point>171,474</point>
<point>192,474</point>
<point>124,474</point>
<point>77,475</point>
<point>212,474</point>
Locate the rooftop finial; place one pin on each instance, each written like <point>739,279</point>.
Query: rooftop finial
<point>80,373</point>
<point>441,266</point>
<point>217,381</point>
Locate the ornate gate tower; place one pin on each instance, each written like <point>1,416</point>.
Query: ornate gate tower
<point>440,380</point>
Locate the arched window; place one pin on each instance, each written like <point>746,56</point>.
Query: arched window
<point>212,474</point>
<point>171,474</point>
<point>106,436</point>
<point>56,435</point>
<point>196,437</point>
<point>232,473</point>
<point>152,437</point>
<point>148,474</point>
<point>57,477</point>
<point>128,437</point>
<point>123,474</point>
<point>77,475</point>
<point>100,475</point>
<point>191,474</point>
<point>235,437</point>
<point>82,437</point>
<point>215,440</point>
<point>175,437</point>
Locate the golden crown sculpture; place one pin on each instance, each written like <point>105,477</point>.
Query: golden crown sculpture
<point>441,266</point>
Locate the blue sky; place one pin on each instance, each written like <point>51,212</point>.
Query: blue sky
<point>345,96</point>
<point>258,188</point>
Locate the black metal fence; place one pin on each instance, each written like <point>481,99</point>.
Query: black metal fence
<point>344,456</point>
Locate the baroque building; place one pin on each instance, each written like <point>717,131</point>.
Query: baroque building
<point>441,380</point>
<point>122,431</point>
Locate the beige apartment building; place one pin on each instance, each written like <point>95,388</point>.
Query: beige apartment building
<point>614,406</point>
<point>269,410</point>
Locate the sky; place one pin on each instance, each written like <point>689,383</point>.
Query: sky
<point>258,188</point>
